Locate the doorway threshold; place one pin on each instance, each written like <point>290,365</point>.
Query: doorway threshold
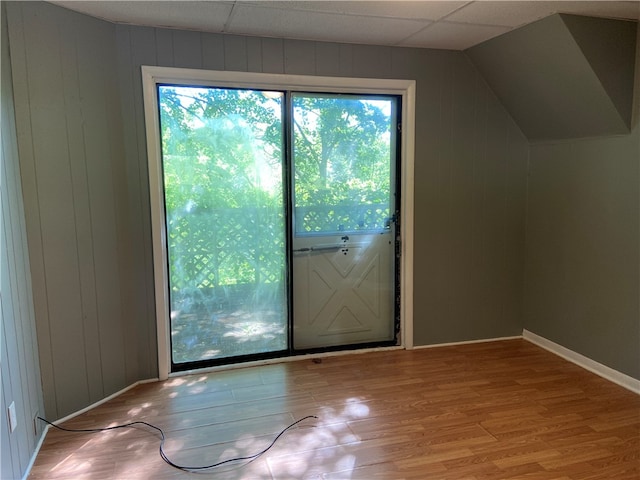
<point>285,359</point>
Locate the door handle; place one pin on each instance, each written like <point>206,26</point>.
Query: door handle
<point>335,246</point>
<point>320,248</point>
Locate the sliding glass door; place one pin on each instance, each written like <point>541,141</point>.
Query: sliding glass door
<point>280,213</point>
<point>222,161</point>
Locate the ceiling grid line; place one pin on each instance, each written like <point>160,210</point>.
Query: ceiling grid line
<point>451,25</point>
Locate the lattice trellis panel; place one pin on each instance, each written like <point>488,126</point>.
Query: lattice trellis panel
<point>340,218</point>
<point>213,248</point>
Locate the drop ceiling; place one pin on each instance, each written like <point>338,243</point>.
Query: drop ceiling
<point>454,25</point>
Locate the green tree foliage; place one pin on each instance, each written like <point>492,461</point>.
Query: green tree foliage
<point>218,145</point>
<point>342,158</point>
<point>342,151</point>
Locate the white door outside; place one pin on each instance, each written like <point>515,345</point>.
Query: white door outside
<point>343,290</point>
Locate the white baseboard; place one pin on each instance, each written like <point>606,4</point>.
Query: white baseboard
<point>75,414</point>
<point>466,342</point>
<point>608,373</point>
<point>104,400</point>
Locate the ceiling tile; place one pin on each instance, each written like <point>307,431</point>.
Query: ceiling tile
<point>417,10</point>
<point>258,20</point>
<point>460,24</point>
<point>453,36</point>
<point>191,15</point>
<point>510,14</point>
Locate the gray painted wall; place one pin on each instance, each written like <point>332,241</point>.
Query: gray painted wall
<point>582,287</point>
<point>77,206</point>
<point>81,135</point>
<point>564,76</point>
<point>20,372</point>
<point>609,46</point>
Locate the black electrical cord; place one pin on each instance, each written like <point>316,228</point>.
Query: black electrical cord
<point>163,455</point>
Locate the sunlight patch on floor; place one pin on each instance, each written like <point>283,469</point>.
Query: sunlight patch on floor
<point>306,450</point>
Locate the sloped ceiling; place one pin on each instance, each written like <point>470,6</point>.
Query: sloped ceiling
<point>564,76</point>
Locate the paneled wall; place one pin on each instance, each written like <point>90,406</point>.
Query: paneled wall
<point>583,245</point>
<point>470,164</point>
<point>77,206</point>
<point>82,146</point>
<point>20,372</point>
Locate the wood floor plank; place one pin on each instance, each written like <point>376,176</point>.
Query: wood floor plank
<point>490,411</point>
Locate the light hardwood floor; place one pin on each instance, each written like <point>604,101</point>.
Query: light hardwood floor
<point>496,410</point>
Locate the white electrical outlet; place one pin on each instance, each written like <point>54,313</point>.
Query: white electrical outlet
<point>13,418</point>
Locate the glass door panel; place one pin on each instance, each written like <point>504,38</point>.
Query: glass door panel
<point>222,160</point>
<point>344,155</point>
